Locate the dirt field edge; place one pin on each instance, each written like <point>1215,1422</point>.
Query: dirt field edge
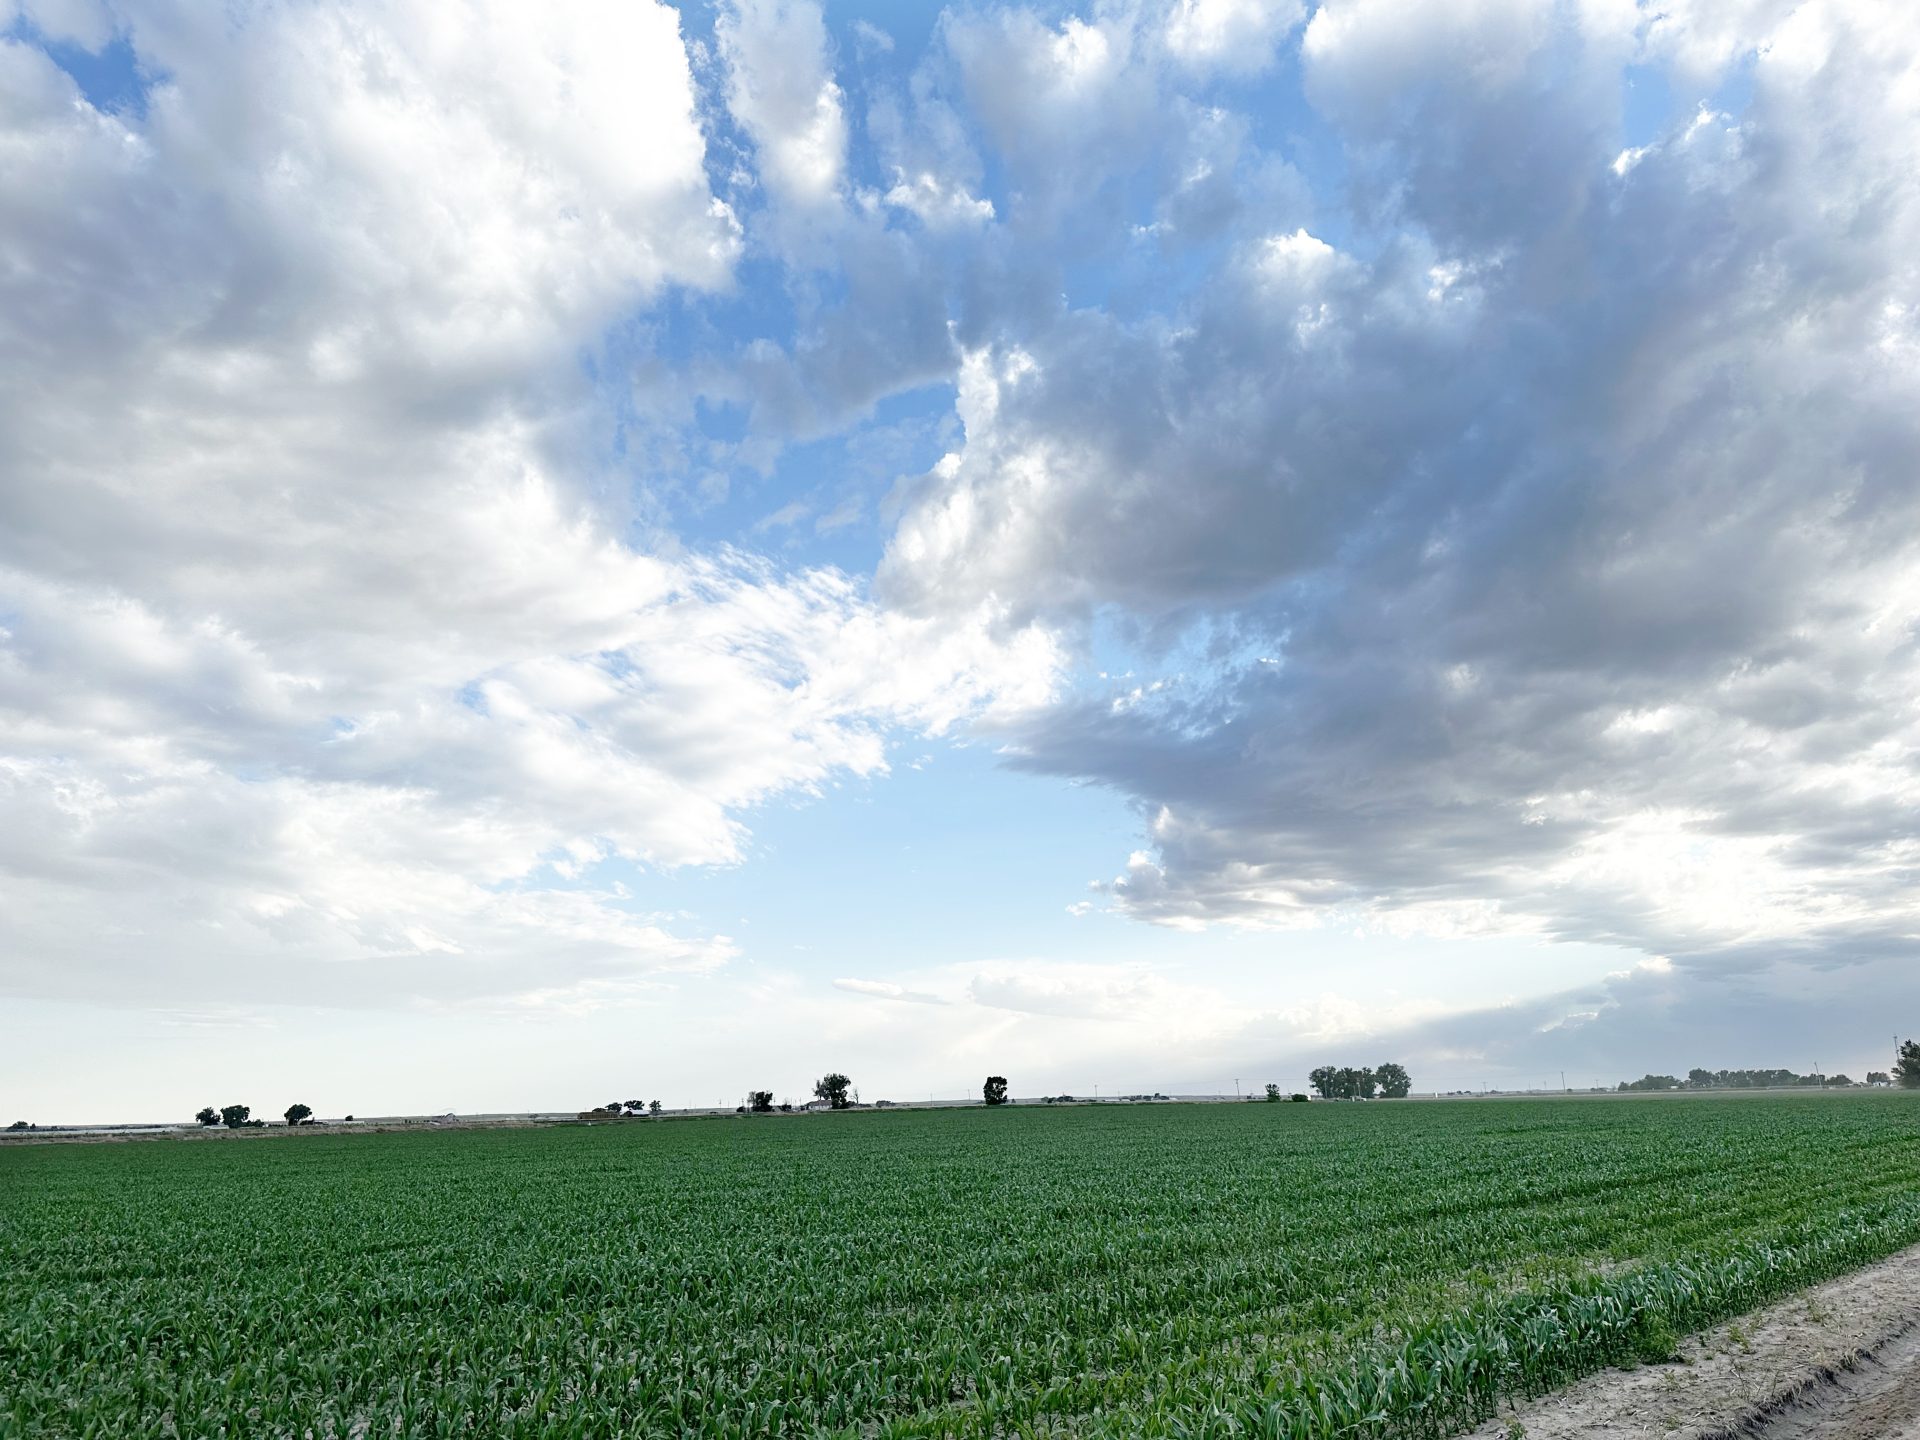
<point>1819,1382</point>
<point>1798,1368</point>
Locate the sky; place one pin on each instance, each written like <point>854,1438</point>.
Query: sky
<point>562,553</point>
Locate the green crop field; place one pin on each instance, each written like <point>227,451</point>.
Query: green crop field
<point>1271,1270</point>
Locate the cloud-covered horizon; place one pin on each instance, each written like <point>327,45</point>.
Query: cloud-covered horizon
<point>1452,471</point>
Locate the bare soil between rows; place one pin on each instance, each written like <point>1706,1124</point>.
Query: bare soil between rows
<point>1840,1361</point>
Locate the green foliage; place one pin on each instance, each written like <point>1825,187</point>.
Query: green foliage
<point>760,1101</point>
<point>1906,1065</point>
<point>299,1115</point>
<point>1651,1082</point>
<point>832,1088</point>
<point>207,1115</point>
<point>1099,1271</point>
<point>1395,1082</point>
<point>1344,1082</point>
<point>1273,1091</point>
<point>994,1092</point>
<point>234,1116</point>
<point>1699,1079</point>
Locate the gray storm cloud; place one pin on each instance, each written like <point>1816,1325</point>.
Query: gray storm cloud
<point>1543,563</point>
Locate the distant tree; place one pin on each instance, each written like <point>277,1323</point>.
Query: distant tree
<point>1297,1098</point>
<point>19,1125</point>
<point>786,1107</point>
<point>612,1107</point>
<point>208,1115</point>
<point>994,1092</point>
<point>833,1088</point>
<point>1878,1077</point>
<point>1700,1079</point>
<point>1395,1082</point>
<point>1651,1082</point>
<point>299,1115</point>
<point>653,1107</point>
<point>1839,1082</point>
<point>1344,1082</point>
<point>1273,1091</point>
<point>760,1101</point>
<point>234,1116</point>
<point>636,1107</point>
<point>1906,1065</point>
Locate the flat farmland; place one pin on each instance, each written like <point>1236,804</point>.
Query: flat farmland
<point>1177,1270</point>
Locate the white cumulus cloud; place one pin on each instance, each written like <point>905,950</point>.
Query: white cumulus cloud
<point>780,88</point>
<point>319,645</point>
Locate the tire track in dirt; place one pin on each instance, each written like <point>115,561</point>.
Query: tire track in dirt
<point>1877,1397</point>
<point>1840,1361</point>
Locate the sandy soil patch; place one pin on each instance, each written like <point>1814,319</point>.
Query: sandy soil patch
<point>1838,1362</point>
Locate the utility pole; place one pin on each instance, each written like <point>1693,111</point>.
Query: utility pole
<point>1236,1087</point>
<point>1563,1081</point>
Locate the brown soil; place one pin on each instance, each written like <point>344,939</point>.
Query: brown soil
<point>1838,1362</point>
<point>1878,1396</point>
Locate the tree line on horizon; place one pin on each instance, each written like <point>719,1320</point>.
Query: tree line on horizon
<point>239,1117</point>
<point>1389,1081</point>
<point>624,1107</point>
<point>1345,1082</point>
<point>1905,1073</point>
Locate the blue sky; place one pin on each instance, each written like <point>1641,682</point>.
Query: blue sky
<point>635,549</point>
